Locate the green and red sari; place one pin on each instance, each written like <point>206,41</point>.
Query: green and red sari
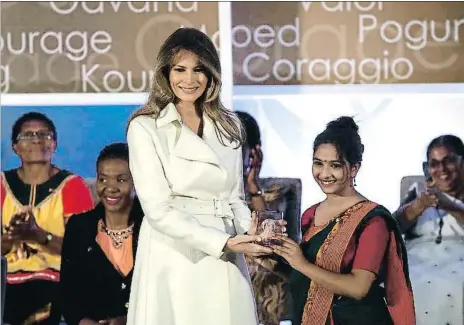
<point>363,237</point>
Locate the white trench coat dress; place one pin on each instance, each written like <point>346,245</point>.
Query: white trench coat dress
<point>191,191</point>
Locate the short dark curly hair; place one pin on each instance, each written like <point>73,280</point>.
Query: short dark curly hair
<point>32,116</point>
<point>116,150</point>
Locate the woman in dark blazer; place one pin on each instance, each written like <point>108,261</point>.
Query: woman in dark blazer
<point>99,247</point>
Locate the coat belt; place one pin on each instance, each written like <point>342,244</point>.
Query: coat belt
<point>220,208</point>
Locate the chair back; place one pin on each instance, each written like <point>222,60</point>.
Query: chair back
<point>284,195</point>
<point>410,183</point>
<point>3,284</point>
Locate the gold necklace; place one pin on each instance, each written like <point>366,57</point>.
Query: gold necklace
<point>117,236</point>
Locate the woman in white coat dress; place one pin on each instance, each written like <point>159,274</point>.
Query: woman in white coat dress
<point>185,159</point>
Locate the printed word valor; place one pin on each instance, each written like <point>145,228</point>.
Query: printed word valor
<point>342,6</point>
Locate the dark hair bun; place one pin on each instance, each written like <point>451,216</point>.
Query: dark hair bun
<point>344,123</point>
<point>343,134</point>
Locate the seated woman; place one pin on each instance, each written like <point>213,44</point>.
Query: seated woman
<point>36,202</point>
<point>351,267</point>
<point>433,221</point>
<point>267,275</point>
<point>99,247</point>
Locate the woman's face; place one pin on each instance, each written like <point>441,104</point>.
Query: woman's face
<point>114,185</point>
<point>331,174</point>
<point>35,144</point>
<point>187,77</point>
<point>445,168</point>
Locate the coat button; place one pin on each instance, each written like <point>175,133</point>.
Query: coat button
<point>123,286</point>
<point>126,305</point>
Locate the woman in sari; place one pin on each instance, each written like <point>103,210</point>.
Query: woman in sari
<point>433,220</point>
<point>351,266</point>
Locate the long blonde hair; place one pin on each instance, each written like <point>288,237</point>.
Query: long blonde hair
<point>226,123</point>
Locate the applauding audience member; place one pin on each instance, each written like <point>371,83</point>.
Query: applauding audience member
<point>36,200</point>
<point>433,220</point>
<point>267,273</point>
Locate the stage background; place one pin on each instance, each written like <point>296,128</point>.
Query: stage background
<point>395,67</point>
<point>395,125</point>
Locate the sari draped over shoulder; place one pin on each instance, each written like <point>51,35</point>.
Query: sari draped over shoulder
<point>390,299</point>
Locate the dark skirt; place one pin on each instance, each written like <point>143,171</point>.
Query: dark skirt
<point>370,310</point>
<point>25,299</point>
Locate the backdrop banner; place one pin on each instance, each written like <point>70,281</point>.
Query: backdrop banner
<point>293,43</point>
<point>82,47</point>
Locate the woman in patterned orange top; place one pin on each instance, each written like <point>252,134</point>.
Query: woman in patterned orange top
<point>100,246</point>
<point>351,267</point>
<point>36,201</point>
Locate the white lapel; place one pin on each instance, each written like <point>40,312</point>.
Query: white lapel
<point>189,145</point>
<point>168,115</point>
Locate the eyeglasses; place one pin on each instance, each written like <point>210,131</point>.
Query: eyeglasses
<point>449,161</point>
<point>32,135</point>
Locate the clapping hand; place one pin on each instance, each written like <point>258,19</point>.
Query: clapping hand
<point>23,225</point>
<point>448,203</point>
<point>429,197</point>
<point>432,197</point>
<point>21,228</point>
<point>255,163</point>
